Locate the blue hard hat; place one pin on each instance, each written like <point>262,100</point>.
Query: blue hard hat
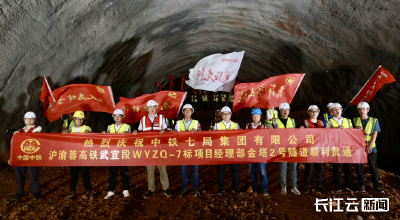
<point>256,111</point>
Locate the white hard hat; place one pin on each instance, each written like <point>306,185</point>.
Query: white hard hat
<point>336,105</point>
<point>329,104</point>
<point>187,106</point>
<point>30,115</point>
<point>363,105</point>
<point>312,107</point>
<point>284,105</point>
<point>151,103</point>
<point>118,112</point>
<point>226,109</point>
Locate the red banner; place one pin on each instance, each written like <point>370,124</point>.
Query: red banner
<point>83,97</point>
<point>169,103</point>
<point>268,93</point>
<point>377,80</point>
<point>48,102</point>
<point>187,148</point>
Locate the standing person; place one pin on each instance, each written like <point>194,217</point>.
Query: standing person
<point>188,124</point>
<point>194,98</point>
<point>313,122</point>
<point>154,123</point>
<point>231,100</point>
<point>69,122</point>
<point>371,128</point>
<point>118,128</point>
<point>30,127</point>
<point>281,123</point>
<point>79,117</point>
<point>262,168</point>
<point>328,114</point>
<point>272,115</point>
<point>343,123</point>
<point>227,124</point>
<point>215,99</point>
<point>204,99</point>
<point>223,99</point>
<point>216,119</point>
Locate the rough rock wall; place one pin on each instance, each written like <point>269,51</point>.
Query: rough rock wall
<point>132,44</point>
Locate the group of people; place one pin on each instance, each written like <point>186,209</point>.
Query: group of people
<point>154,122</point>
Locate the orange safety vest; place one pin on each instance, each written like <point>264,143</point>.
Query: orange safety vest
<point>148,126</point>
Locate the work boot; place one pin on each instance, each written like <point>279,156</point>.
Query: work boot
<point>283,191</point>
<point>183,193</point>
<point>109,195</point>
<point>125,193</point>
<point>196,193</point>
<point>17,196</point>
<point>168,193</point>
<point>220,192</point>
<point>295,191</point>
<point>148,194</point>
<point>321,189</point>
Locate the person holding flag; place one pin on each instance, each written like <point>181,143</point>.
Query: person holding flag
<point>227,124</point>
<point>154,123</point>
<point>119,128</point>
<point>79,117</point>
<point>69,122</point>
<point>188,124</point>
<point>328,114</point>
<point>281,123</point>
<point>343,123</point>
<point>272,115</point>
<point>30,127</point>
<point>370,127</point>
<point>262,168</point>
<point>313,111</point>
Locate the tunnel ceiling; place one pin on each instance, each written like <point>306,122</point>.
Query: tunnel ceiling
<point>131,45</point>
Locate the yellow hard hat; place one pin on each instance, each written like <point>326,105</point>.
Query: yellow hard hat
<point>79,114</point>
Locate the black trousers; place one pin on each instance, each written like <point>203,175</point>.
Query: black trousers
<point>112,174</point>
<point>75,175</point>
<point>33,177</point>
<point>308,173</point>
<point>347,174</point>
<point>373,168</point>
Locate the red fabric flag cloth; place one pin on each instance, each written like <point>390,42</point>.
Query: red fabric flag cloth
<point>159,84</point>
<point>377,80</point>
<point>171,82</point>
<point>48,102</point>
<point>268,93</point>
<point>183,80</point>
<point>83,97</point>
<point>169,104</point>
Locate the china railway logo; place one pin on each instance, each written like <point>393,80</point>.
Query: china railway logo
<point>101,90</point>
<point>290,80</point>
<point>30,146</point>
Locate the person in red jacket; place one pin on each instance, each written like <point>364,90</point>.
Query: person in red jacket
<point>33,173</point>
<point>313,122</point>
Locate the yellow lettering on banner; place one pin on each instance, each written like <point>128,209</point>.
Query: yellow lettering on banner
<point>121,143</point>
<point>346,152</point>
<point>19,157</point>
<point>335,151</point>
<point>172,142</point>
<point>146,152</point>
<point>165,106</point>
<point>88,143</point>
<point>187,153</point>
<point>280,92</point>
<point>105,143</point>
<point>179,153</point>
<point>314,151</point>
<point>304,152</point>
<point>272,153</point>
<point>83,155</point>
<point>310,139</point>
<point>114,155</point>
<point>125,154</point>
<point>241,140</point>
<point>224,141</point>
<point>138,142</point>
<point>218,153</point>
<point>81,97</point>
<point>271,91</point>
<point>198,153</point>
<point>163,154</point>
<point>62,155</point>
<point>71,97</point>
<point>103,154</point>
<point>229,153</point>
<point>138,153</point>
<point>252,94</point>
<point>292,152</point>
<point>208,153</point>
<point>252,153</point>
<point>32,157</point>
<point>190,142</point>
<point>155,142</point>
<point>261,90</point>
<point>172,94</point>
<point>38,157</point>
<point>60,100</point>
<point>243,97</point>
<point>155,153</point>
<point>325,151</point>
<point>263,152</point>
<point>72,154</point>
<point>52,154</point>
<point>282,151</point>
<point>93,154</point>
<point>207,141</point>
<point>292,139</point>
<point>25,157</point>
<point>275,139</point>
<point>92,97</point>
<point>240,153</point>
<point>258,139</point>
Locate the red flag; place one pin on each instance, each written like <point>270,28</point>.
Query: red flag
<point>159,84</point>
<point>236,82</point>
<point>171,82</point>
<point>268,93</point>
<point>48,102</point>
<point>183,80</point>
<point>83,97</point>
<point>169,104</point>
<point>377,80</point>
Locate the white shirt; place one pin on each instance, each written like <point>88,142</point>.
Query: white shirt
<point>35,130</point>
<point>164,123</point>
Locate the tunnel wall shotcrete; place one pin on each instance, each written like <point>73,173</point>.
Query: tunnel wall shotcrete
<point>130,45</point>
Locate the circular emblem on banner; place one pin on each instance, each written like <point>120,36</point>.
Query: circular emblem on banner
<point>30,146</point>
<point>101,90</point>
<point>290,80</point>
